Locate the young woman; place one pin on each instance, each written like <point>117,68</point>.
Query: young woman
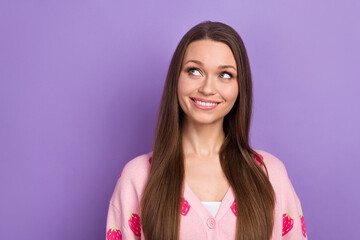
<point>203,180</point>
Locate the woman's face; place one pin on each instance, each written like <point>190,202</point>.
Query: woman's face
<point>208,86</point>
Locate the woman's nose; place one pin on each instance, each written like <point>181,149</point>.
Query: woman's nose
<point>208,86</point>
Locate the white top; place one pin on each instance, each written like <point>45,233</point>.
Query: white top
<point>212,207</point>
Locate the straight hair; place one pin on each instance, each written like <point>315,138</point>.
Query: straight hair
<point>255,198</point>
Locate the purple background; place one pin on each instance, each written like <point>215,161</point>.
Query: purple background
<point>80,85</point>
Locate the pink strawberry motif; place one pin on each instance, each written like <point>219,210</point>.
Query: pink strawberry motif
<point>185,207</point>
<point>150,160</point>
<point>134,224</point>
<point>257,159</point>
<point>288,223</point>
<point>303,225</point>
<point>113,234</point>
<point>233,207</point>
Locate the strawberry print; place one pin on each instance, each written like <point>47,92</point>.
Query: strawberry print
<point>134,224</point>
<point>257,159</point>
<point>185,207</point>
<point>150,158</point>
<point>233,207</point>
<point>303,225</point>
<point>288,223</point>
<point>303,229</point>
<point>113,234</point>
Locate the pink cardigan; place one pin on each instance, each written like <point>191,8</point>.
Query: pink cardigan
<point>123,219</point>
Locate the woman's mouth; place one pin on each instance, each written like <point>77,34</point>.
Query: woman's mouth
<point>205,104</point>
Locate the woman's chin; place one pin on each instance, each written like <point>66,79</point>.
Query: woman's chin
<point>205,120</point>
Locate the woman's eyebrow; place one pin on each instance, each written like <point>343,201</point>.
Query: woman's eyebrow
<point>195,61</point>
<point>201,64</point>
<point>226,66</point>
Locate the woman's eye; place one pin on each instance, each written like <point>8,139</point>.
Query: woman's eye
<point>194,71</point>
<point>225,75</point>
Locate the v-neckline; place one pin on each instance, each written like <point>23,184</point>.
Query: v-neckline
<point>199,207</point>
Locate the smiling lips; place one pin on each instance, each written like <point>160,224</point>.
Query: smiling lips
<point>204,104</point>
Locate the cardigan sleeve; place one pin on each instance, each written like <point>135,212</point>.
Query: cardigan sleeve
<point>293,223</point>
<point>123,218</point>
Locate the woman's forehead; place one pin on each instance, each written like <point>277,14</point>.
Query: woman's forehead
<point>209,52</point>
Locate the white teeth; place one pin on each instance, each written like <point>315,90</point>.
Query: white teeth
<point>205,104</point>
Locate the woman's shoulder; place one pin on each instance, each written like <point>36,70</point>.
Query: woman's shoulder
<point>274,165</point>
<point>270,159</point>
<point>135,173</point>
<point>137,168</point>
<point>132,179</point>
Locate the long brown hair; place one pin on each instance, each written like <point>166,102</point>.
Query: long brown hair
<point>255,198</point>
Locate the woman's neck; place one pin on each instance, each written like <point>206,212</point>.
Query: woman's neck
<point>202,139</point>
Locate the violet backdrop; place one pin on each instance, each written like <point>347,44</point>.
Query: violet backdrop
<point>80,86</point>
